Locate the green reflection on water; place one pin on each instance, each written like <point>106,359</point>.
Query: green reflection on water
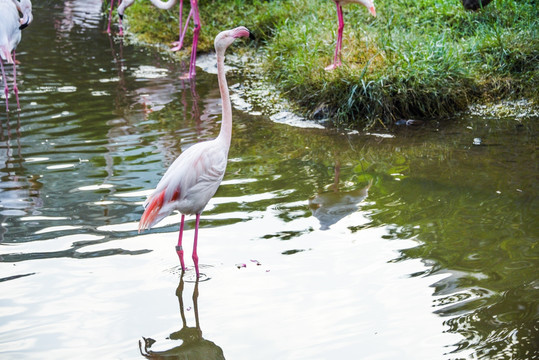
<point>472,209</point>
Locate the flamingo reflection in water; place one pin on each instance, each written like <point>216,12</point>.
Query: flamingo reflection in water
<point>19,191</point>
<point>193,346</point>
<point>330,207</point>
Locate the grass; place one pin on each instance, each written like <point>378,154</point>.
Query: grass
<point>417,59</point>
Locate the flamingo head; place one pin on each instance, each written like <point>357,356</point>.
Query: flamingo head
<point>225,38</point>
<point>123,5</point>
<point>25,7</point>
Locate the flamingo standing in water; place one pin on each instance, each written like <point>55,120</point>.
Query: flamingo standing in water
<point>177,45</point>
<point>368,4</point>
<point>10,36</point>
<point>193,178</point>
<point>163,5</point>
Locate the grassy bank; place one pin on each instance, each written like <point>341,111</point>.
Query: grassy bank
<point>417,59</point>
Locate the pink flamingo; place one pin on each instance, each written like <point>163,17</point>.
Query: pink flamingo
<point>10,36</point>
<point>368,4</point>
<point>194,177</point>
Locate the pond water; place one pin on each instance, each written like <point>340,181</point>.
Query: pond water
<point>320,244</point>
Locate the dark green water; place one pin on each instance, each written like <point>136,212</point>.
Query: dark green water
<point>427,250</point>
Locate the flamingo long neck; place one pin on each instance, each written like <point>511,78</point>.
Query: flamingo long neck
<point>164,5</point>
<point>226,122</point>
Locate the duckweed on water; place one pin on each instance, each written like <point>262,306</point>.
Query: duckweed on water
<point>416,59</point>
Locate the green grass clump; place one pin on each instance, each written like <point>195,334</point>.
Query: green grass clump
<point>418,58</point>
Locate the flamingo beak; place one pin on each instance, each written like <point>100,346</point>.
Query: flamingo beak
<point>242,31</point>
<point>25,21</point>
<point>372,10</point>
<point>121,16</point>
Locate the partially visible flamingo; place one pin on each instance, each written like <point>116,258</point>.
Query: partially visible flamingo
<point>177,45</point>
<point>163,5</point>
<point>196,31</point>
<point>10,36</point>
<point>194,177</point>
<point>368,4</point>
<point>110,18</point>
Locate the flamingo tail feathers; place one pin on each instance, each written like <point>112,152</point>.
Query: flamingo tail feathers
<point>153,212</point>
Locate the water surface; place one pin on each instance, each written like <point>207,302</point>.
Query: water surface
<point>320,244</point>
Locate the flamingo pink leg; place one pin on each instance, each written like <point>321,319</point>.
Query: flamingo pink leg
<point>179,249</point>
<point>121,32</point>
<point>15,88</point>
<point>196,31</point>
<point>337,58</point>
<point>195,255</point>
<point>6,89</point>
<point>179,44</point>
<point>110,15</point>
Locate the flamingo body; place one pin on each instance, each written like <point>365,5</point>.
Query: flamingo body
<point>189,183</point>
<point>340,3</point>
<point>194,177</point>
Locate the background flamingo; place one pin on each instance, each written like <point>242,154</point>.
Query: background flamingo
<point>177,45</point>
<point>122,5</point>
<point>368,4</point>
<point>10,36</point>
<point>194,177</point>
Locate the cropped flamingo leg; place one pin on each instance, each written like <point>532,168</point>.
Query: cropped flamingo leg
<point>195,255</point>
<point>110,16</point>
<point>120,23</point>
<point>337,58</point>
<point>179,249</point>
<point>6,89</point>
<point>179,44</point>
<point>15,88</point>
<point>196,32</point>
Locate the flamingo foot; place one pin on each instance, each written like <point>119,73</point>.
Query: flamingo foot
<point>179,251</point>
<point>332,67</point>
<point>187,76</point>
<point>176,47</point>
